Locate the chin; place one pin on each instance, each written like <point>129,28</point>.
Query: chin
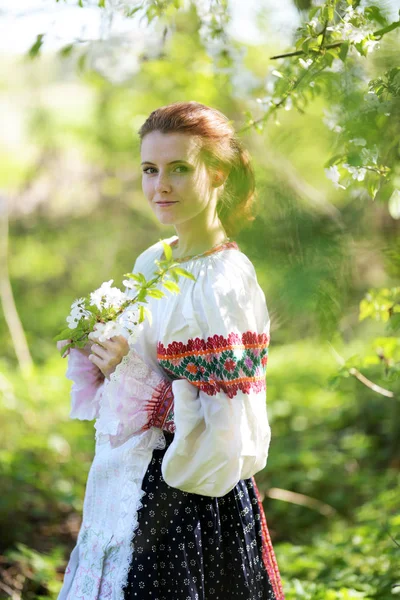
<point>166,219</point>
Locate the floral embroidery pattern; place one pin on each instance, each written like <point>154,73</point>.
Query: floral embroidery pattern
<point>97,566</point>
<point>216,364</point>
<point>160,408</point>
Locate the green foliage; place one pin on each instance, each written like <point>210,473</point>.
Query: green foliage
<point>327,259</point>
<point>359,559</point>
<point>90,315</point>
<point>361,113</point>
<point>39,569</point>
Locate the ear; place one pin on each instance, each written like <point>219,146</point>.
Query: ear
<point>218,178</point>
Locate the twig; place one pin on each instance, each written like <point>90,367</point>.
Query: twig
<point>367,382</point>
<point>302,500</point>
<point>376,34</point>
<point>373,386</point>
<point>392,538</point>
<point>300,52</point>
<point>323,32</point>
<point>14,595</point>
<point>7,301</point>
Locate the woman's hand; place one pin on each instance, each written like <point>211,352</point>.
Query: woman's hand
<point>108,354</point>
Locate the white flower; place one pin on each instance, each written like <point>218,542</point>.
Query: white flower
<point>106,296</point>
<point>357,173</point>
<point>77,313</point>
<point>370,45</point>
<point>333,174</point>
<point>129,318</point>
<point>133,337</point>
<point>105,331</point>
<point>358,141</point>
<point>370,155</point>
<point>72,323</point>
<point>305,63</point>
<point>331,119</point>
<point>288,103</point>
<point>129,283</point>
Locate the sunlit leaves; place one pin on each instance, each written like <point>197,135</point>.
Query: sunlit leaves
<point>167,250</point>
<point>380,304</point>
<point>34,50</point>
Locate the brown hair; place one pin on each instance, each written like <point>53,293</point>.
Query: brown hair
<point>219,147</point>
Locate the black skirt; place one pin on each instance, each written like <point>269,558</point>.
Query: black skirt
<point>193,547</point>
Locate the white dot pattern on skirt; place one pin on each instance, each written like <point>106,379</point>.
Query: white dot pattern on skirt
<point>193,547</point>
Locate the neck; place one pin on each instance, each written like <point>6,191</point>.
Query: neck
<point>192,242</point>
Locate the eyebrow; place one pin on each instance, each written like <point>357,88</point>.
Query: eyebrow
<point>147,162</point>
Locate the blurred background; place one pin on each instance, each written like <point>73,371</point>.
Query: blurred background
<point>322,123</point>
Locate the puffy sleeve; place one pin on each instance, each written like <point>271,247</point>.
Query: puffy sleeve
<point>216,353</point>
<point>87,385</point>
<point>88,380</point>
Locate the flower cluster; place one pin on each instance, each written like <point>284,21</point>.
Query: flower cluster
<point>110,312</point>
<point>106,302</point>
<point>355,28</point>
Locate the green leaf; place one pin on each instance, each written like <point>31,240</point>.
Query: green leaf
<point>147,312</point>
<point>361,47</point>
<point>82,62</point>
<point>306,44</point>
<point>335,159</point>
<point>142,295</point>
<point>174,275</point>
<point>313,11</point>
<point>390,27</point>
<point>393,325</point>
<point>34,49</point>
<point>344,49</point>
<point>184,273</point>
<point>131,11</point>
<point>154,293</point>
<point>141,314</point>
<point>171,286</point>
<point>66,50</point>
<point>167,250</point>
<point>65,334</point>
<point>373,183</point>
<point>373,13</point>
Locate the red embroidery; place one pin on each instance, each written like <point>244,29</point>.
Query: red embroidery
<point>218,363</point>
<point>268,553</point>
<point>217,343</point>
<point>160,406</point>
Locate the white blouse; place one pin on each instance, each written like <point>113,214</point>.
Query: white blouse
<point>211,341</point>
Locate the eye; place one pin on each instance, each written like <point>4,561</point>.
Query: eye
<point>184,167</point>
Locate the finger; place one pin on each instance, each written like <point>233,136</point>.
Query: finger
<point>99,351</point>
<point>95,360</point>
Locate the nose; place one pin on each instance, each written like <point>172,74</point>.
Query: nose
<point>163,184</point>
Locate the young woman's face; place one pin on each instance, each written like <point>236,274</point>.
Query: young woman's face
<point>173,174</point>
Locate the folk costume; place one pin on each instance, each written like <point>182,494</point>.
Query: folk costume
<point>171,509</point>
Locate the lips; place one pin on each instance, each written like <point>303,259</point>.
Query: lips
<point>165,203</point>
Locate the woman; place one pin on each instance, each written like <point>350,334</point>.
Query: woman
<point>172,510</point>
